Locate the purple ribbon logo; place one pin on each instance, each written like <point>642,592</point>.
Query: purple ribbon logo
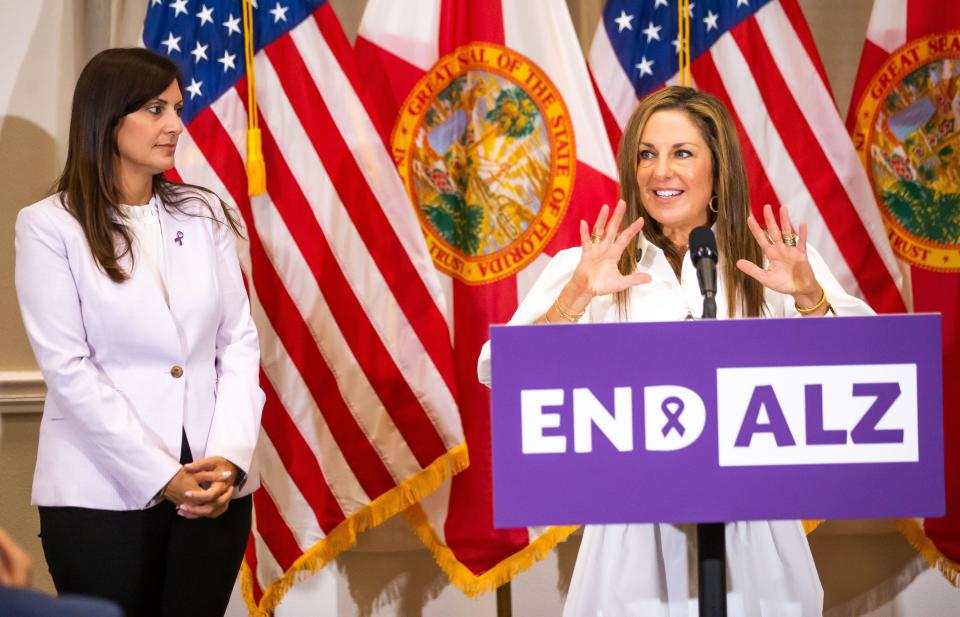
<point>673,415</point>
<point>179,238</point>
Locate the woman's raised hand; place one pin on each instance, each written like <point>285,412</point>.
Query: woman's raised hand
<point>597,273</point>
<point>788,270</point>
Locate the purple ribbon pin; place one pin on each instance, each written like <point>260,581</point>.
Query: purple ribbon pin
<point>673,415</point>
<point>179,238</point>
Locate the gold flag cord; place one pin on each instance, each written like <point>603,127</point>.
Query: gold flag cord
<point>256,168</point>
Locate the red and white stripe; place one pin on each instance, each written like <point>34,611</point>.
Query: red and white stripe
<point>355,347</point>
<point>797,152</point>
<point>887,31</point>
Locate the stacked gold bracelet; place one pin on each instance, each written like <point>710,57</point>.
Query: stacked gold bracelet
<point>568,316</point>
<point>815,307</point>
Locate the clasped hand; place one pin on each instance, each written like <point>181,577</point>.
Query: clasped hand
<point>202,489</point>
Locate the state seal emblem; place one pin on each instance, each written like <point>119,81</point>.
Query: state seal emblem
<point>907,134</point>
<point>485,148</point>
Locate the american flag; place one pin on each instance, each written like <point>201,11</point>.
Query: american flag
<point>759,58</point>
<point>360,419</point>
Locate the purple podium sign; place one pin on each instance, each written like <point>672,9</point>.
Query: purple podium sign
<point>703,421</point>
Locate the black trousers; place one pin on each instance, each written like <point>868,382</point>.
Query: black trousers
<point>152,562</point>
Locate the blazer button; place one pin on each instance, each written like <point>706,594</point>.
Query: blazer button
<point>176,371</point>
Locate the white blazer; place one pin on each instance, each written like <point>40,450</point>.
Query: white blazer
<point>125,372</point>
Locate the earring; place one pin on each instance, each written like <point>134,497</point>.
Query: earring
<point>712,204</point>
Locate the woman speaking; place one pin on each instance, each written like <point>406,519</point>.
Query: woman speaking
<point>132,297</point>
<point>680,168</point>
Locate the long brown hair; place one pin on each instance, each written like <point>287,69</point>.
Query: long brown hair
<point>114,83</point>
<point>734,240</point>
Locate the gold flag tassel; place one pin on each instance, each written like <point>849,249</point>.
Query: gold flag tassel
<point>683,39</point>
<point>256,168</point>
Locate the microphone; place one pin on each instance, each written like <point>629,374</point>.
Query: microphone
<point>703,254</point>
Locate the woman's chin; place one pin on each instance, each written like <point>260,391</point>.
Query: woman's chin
<point>674,217</point>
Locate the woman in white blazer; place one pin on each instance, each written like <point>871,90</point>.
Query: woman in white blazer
<point>134,304</point>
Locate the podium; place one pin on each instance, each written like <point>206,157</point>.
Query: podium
<point>760,419</point>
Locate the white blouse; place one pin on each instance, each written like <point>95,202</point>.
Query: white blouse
<point>650,570</point>
<point>144,225</point>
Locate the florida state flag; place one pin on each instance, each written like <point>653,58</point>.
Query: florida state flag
<point>905,123</point>
<point>492,122</point>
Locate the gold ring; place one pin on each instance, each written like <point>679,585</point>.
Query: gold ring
<point>790,239</point>
<point>595,237</point>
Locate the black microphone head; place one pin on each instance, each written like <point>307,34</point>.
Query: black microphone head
<point>702,244</point>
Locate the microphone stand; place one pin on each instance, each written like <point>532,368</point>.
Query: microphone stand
<point>711,539</point>
<point>712,574</point>
<point>709,306</point>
